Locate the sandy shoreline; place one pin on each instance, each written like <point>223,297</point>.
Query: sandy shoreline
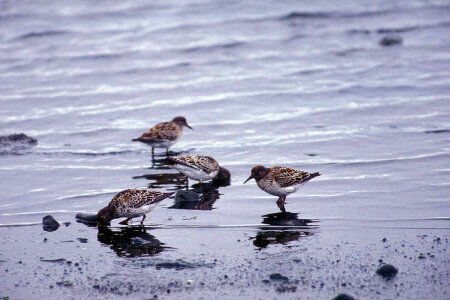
<point>76,261</point>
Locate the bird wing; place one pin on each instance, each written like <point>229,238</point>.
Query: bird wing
<point>133,198</point>
<point>287,176</point>
<point>167,131</point>
<point>200,162</point>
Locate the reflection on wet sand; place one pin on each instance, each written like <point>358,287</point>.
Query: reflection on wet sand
<point>160,179</point>
<point>130,241</point>
<point>201,197</point>
<point>160,163</point>
<point>280,230</point>
<point>159,160</point>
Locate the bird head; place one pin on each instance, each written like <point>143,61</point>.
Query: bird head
<point>258,173</point>
<point>104,216</point>
<point>181,121</point>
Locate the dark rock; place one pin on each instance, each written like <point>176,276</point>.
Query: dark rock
<point>387,271</point>
<point>65,283</point>
<point>343,297</point>
<point>286,289</point>
<point>14,143</point>
<point>278,277</point>
<point>57,260</point>
<point>174,265</point>
<point>49,223</point>
<point>390,41</point>
<point>89,219</point>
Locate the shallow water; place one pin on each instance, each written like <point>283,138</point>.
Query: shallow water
<point>301,84</point>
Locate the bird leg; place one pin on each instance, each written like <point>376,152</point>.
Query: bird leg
<point>167,151</point>
<point>125,222</point>
<point>187,183</point>
<point>153,152</point>
<point>143,218</point>
<point>280,203</point>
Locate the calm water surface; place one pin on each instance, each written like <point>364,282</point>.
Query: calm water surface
<point>295,83</point>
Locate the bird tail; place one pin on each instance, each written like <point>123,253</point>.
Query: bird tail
<point>312,175</point>
<point>162,197</point>
<point>171,161</point>
<point>136,140</point>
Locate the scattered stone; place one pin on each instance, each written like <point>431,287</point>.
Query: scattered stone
<point>390,41</point>
<point>14,143</point>
<point>174,265</point>
<point>65,283</point>
<point>58,260</point>
<point>278,277</point>
<point>387,271</point>
<point>89,219</point>
<point>343,297</point>
<point>49,223</point>
<point>286,289</point>
<point>421,256</point>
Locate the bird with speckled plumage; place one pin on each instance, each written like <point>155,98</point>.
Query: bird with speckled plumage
<point>131,203</point>
<point>164,135</point>
<point>200,168</point>
<point>280,181</point>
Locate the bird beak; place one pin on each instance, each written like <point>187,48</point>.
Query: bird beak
<point>188,126</point>
<point>251,177</point>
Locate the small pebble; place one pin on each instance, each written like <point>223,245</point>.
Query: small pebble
<point>390,41</point>
<point>343,297</point>
<point>278,277</point>
<point>387,271</point>
<point>49,223</point>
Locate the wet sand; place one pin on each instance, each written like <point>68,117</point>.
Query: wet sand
<point>226,262</point>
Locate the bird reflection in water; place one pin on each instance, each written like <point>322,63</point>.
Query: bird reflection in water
<point>200,197</point>
<point>283,228</point>
<point>131,241</point>
<point>159,161</point>
<point>161,179</point>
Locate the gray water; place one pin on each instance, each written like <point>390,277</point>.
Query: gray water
<point>304,84</point>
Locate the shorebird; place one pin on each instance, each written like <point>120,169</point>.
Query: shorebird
<point>164,135</point>
<point>280,181</point>
<point>131,203</point>
<point>200,168</point>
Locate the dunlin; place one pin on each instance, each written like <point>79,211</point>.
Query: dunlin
<point>164,135</point>
<point>280,181</point>
<point>201,168</point>
<point>131,203</point>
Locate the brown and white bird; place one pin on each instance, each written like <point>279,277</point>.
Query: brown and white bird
<point>164,135</point>
<point>201,168</point>
<point>131,203</point>
<point>280,181</point>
